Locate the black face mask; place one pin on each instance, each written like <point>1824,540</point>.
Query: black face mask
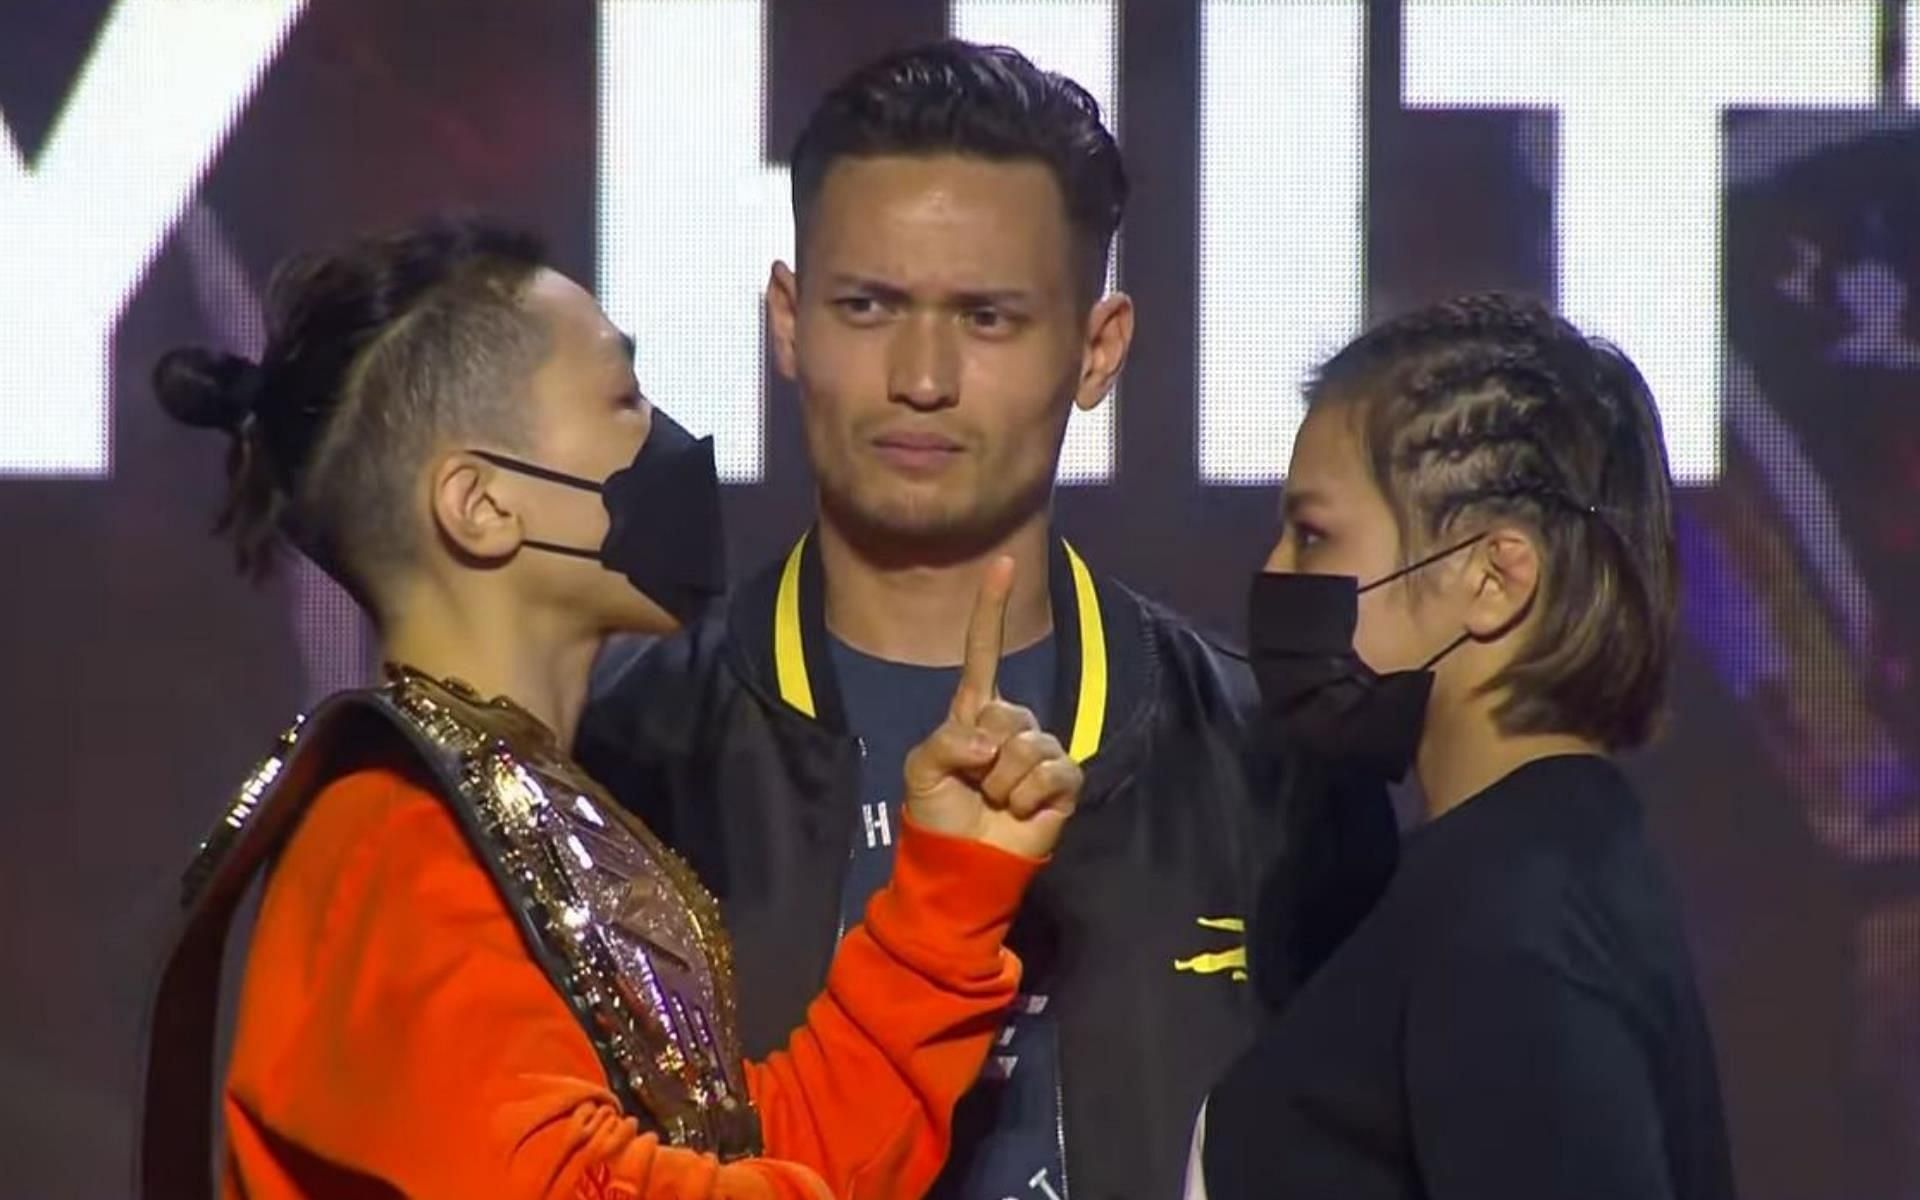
<point>663,518</point>
<point>1313,685</point>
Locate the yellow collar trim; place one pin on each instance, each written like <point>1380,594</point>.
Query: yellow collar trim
<point>1090,707</point>
<point>1090,710</point>
<point>789,653</point>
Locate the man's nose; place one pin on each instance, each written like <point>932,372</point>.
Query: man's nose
<point>924,364</point>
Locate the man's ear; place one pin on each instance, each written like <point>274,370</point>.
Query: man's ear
<point>471,511</point>
<point>783,318</point>
<point>1504,577</point>
<point>1109,337</point>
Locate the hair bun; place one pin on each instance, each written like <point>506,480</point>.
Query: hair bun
<point>207,389</point>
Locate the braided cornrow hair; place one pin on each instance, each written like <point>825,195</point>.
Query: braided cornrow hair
<point>1489,408</point>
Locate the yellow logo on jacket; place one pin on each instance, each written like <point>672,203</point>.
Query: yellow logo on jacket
<point>1232,960</point>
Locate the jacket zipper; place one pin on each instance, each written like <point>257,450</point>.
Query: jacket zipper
<point>840,929</point>
<point>1060,1113</point>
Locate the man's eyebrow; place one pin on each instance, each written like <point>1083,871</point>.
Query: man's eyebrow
<point>879,289</point>
<point>893,293</point>
<point>989,297</point>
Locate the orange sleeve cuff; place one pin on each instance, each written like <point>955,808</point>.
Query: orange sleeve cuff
<point>949,905</point>
<point>866,1087</point>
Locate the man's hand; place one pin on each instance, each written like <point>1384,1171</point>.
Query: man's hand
<point>989,772</point>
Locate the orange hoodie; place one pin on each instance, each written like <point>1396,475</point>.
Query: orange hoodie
<point>395,1037</point>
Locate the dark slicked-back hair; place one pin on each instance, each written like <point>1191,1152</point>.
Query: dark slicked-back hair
<point>987,102</point>
<point>1490,407</point>
<point>375,353</point>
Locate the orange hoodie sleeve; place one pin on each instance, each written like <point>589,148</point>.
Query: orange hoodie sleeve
<point>392,1029</point>
<point>864,1091</point>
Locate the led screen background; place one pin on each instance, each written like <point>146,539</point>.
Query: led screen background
<point>1730,190</point>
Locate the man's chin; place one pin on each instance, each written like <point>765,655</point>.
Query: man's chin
<point>917,525</point>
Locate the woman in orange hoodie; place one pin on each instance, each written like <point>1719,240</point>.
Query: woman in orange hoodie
<point>471,974</point>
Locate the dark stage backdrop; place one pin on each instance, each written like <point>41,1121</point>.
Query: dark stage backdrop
<point>1731,190</point>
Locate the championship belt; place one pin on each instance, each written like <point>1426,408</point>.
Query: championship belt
<point>619,923</point>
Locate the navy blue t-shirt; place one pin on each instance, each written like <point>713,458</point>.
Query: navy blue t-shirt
<point>1007,1132</point>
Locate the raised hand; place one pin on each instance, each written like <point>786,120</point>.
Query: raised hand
<point>989,772</point>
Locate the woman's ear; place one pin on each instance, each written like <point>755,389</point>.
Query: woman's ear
<point>1504,576</point>
<point>470,508</point>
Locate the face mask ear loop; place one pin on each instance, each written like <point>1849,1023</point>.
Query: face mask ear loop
<point>508,463</point>
<point>1455,644</point>
<point>1428,561</point>
<point>557,548</point>
<point>536,471</point>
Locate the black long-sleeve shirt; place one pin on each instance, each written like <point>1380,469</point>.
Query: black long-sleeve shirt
<point>1517,1017</point>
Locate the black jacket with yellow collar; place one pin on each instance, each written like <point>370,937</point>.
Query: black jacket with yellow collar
<point>729,741</point>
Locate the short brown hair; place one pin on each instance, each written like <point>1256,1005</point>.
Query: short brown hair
<point>1490,407</point>
<point>986,102</point>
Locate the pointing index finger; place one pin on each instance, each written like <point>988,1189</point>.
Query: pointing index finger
<point>986,639</point>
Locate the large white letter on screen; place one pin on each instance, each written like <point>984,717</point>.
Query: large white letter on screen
<point>1640,90</point>
<point>150,109</point>
<point>1079,39</point>
<point>691,215</point>
<point>1282,178</point>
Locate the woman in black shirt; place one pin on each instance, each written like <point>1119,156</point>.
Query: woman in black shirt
<point>1475,580</point>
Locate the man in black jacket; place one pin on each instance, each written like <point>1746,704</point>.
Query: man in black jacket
<point>954,209</point>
